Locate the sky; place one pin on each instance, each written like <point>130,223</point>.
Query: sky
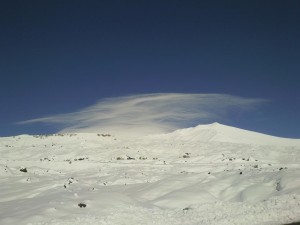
<point>58,58</point>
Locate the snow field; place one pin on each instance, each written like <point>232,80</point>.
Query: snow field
<point>210,174</point>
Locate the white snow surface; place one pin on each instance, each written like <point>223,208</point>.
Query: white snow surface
<point>209,174</point>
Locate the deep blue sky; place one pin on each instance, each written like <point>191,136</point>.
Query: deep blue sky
<point>62,56</point>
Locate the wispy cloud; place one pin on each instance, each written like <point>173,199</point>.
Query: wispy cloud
<point>150,113</point>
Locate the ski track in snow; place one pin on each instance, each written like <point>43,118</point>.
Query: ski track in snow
<point>210,174</point>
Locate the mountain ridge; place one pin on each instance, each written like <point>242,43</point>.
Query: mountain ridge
<point>214,132</point>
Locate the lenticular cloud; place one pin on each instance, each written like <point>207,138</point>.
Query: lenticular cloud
<point>150,113</point>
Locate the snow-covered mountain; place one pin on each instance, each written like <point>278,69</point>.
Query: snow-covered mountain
<point>209,174</point>
<point>223,133</point>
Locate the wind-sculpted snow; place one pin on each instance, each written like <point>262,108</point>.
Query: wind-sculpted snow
<point>210,174</point>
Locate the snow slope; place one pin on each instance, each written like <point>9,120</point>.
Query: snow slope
<point>209,174</point>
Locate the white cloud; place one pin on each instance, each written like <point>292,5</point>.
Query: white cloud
<point>150,113</point>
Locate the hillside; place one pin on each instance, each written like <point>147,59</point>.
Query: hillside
<point>209,174</point>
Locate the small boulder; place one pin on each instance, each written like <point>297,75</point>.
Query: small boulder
<point>24,170</point>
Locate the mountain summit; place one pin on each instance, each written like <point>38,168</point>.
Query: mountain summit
<point>223,133</point>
